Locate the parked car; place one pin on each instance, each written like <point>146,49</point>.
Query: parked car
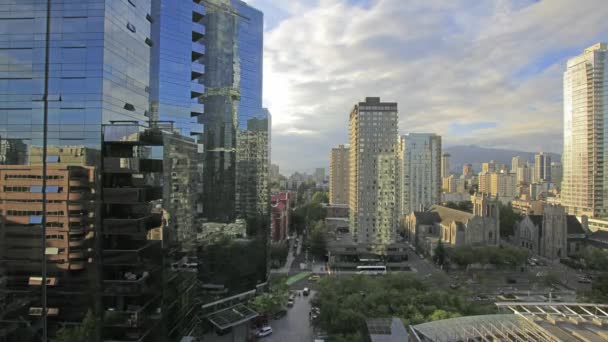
<point>306,291</point>
<point>264,331</point>
<point>290,302</point>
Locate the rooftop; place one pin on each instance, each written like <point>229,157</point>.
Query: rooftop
<point>386,330</point>
<point>449,214</point>
<point>525,322</point>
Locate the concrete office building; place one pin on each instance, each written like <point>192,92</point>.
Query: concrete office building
<point>421,171</point>
<point>556,173</point>
<point>542,167</point>
<point>339,175</point>
<point>374,196</point>
<point>584,186</point>
<point>523,174</point>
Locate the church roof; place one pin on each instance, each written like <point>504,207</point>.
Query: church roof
<point>451,215</point>
<point>426,217</point>
<point>574,226</point>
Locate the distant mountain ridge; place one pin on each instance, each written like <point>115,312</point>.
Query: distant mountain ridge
<point>476,155</point>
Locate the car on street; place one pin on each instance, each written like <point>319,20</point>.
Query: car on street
<point>584,280</point>
<point>264,331</point>
<point>290,301</point>
<point>306,291</point>
<point>314,277</point>
<point>280,314</point>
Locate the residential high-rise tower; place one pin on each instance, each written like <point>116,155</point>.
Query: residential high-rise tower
<point>339,175</point>
<point>421,171</point>
<point>584,187</point>
<point>374,170</point>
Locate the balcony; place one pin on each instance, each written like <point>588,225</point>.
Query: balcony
<point>197,129</point>
<point>198,47</point>
<point>131,226</point>
<point>198,69</point>
<point>198,31</point>
<point>197,109</point>
<point>130,252</point>
<point>132,165</point>
<point>132,134</point>
<point>127,283</point>
<point>131,195</point>
<point>199,9</point>
<point>196,89</point>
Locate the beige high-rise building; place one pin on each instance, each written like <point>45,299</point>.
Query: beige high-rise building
<point>584,189</point>
<point>503,185</point>
<point>445,165</point>
<point>374,172</point>
<point>488,167</point>
<point>516,162</point>
<point>339,175</point>
<point>467,171</point>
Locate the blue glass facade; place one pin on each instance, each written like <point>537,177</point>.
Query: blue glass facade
<point>177,68</point>
<point>236,125</point>
<point>98,71</point>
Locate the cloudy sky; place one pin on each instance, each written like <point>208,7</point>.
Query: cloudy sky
<point>486,72</point>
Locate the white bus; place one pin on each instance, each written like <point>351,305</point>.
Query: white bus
<point>371,270</point>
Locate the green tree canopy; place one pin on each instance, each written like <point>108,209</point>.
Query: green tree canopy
<point>85,332</point>
<point>508,219</point>
<point>346,302</point>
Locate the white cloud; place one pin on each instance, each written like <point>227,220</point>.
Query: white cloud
<point>443,61</point>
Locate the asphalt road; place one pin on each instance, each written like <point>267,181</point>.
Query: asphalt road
<point>295,327</point>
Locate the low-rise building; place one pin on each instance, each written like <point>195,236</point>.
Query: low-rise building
<point>527,207</point>
<point>386,330</point>
<point>280,205</point>
<point>454,227</point>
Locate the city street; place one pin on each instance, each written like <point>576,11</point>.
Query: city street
<point>295,327</point>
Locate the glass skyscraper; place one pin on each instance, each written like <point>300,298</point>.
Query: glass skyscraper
<point>89,68</point>
<point>108,121</point>
<point>236,126</point>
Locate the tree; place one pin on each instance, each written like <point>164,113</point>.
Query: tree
<point>270,302</point>
<point>462,206</point>
<point>439,256</point>
<point>346,302</point>
<point>320,197</point>
<point>278,254</point>
<point>85,332</point>
<point>318,239</point>
<point>508,219</point>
